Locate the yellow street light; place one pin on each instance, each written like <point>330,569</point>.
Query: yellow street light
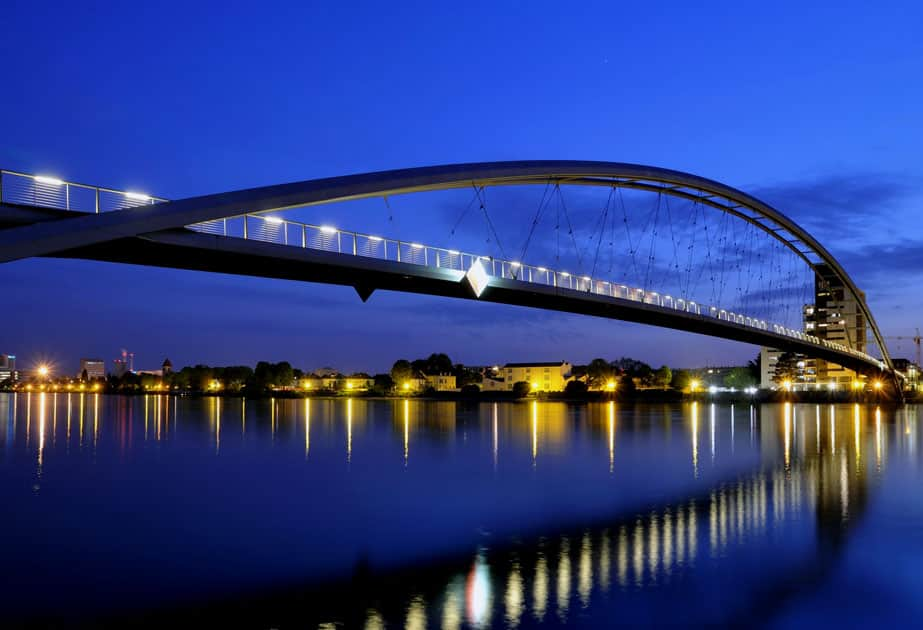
<point>349,385</point>
<point>693,385</point>
<point>787,384</point>
<point>43,371</point>
<point>610,385</point>
<point>406,386</point>
<point>535,386</point>
<point>857,384</point>
<point>877,384</point>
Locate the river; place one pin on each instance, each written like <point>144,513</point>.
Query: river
<point>412,513</point>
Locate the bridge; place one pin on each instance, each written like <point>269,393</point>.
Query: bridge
<point>245,232</point>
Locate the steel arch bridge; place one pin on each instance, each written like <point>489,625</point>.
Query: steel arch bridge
<point>231,232</point>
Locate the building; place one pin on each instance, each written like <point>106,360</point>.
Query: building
<point>836,317</point>
<point>911,370</point>
<point>166,367</point>
<point>805,377</point>
<point>542,377</point>
<point>94,368</point>
<point>8,367</point>
<point>440,382</point>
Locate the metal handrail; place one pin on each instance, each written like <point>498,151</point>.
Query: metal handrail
<point>51,192</point>
<point>273,229</point>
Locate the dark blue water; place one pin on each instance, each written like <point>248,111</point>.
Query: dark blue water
<point>407,513</point>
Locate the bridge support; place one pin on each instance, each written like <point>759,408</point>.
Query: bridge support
<point>365,292</point>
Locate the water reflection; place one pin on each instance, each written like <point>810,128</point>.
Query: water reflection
<point>800,474</point>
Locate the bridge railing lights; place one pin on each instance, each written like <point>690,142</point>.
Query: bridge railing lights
<point>48,191</point>
<point>328,238</point>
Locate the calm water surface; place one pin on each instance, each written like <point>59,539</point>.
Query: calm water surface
<point>412,514</point>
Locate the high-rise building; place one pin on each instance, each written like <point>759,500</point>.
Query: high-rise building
<point>94,368</point>
<point>837,317</point>
<point>834,316</point>
<point>8,367</point>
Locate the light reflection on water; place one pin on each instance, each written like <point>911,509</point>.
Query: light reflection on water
<point>645,504</point>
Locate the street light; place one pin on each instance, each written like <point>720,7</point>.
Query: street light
<point>43,371</point>
<point>610,385</point>
<point>787,384</point>
<point>693,385</point>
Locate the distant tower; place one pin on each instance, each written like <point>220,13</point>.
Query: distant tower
<point>167,367</point>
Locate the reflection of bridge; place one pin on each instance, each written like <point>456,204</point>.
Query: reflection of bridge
<point>231,233</point>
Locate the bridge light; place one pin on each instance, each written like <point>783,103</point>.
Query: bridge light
<point>454,252</point>
<point>514,264</point>
<point>712,389</point>
<point>45,179</point>
<point>416,245</point>
<point>541,269</point>
<point>138,196</point>
<point>477,278</point>
<point>273,220</point>
<point>564,273</point>
<point>375,238</point>
<point>328,229</point>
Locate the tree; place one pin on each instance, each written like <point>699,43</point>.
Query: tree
<point>626,385</point>
<point>786,368</point>
<point>521,389</point>
<point>401,371</point>
<point>438,364</point>
<point>663,376</point>
<point>575,387</point>
<point>681,379</point>
<point>466,376</point>
<point>383,383</point>
<point>739,378</point>
<point>599,372</point>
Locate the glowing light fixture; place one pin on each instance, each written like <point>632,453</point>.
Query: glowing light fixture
<point>375,238</point>
<point>328,229</point>
<point>610,385</point>
<point>138,196</point>
<point>416,245</point>
<point>877,384</point>
<point>43,370</point>
<point>477,278</point>
<point>694,385</point>
<point>454,252</point>
<point>787,384</point>
<point>273,220</point>
<point>45,179</point>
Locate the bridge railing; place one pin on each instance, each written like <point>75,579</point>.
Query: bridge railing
<point>271,229</point>
<point>51,192</point>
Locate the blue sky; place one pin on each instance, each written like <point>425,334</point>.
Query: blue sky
<point>813,108</point>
